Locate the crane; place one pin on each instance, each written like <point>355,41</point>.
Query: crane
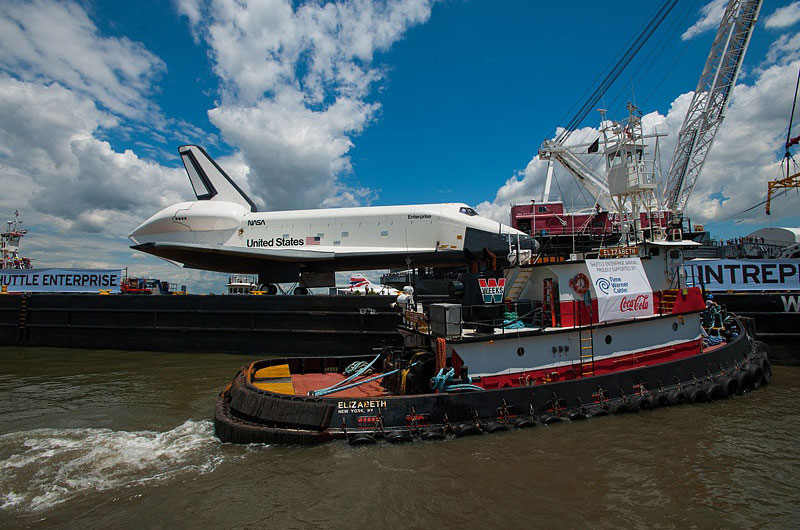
<point>707,109</point>
<point>789,181</point>
<point>558,150</point>
<point>588,176</point>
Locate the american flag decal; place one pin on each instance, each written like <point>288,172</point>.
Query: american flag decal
<point>312,240</point>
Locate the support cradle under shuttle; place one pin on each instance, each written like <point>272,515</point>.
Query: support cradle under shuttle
<point>223,231</point>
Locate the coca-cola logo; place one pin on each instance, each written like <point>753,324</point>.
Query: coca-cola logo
<point>639,303</point>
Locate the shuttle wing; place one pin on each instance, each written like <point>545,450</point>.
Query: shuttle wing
<point>226,258</point>
<point>188,249</point>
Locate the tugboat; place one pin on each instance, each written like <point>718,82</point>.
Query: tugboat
<point>242,284</point>
<point>9,245</point>
<point>533,344</point>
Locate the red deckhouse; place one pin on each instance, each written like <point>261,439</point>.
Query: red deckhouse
<point>550,219</point>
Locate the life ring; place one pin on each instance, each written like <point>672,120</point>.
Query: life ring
<point>621,408</point>
<point>766,370</point>
<point>361,438</point>
<point>677,397</point>
<point>642,403</point>
<point>577,416</point>
<point>547,419</point>
<point>661,400</point>
<point>729,385</point>
<point>523,423</point>
<point>580,283</point>
<point>714,390</point>
<point>399,437</point>
<point>755,373</point>
<point>695,394</point>
<point>495,426</point>
<point>743,381</point>
<point>466,429</point>
<point>432,434</point>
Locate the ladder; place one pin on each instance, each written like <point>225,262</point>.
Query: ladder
<point>548,309</point>
<point>586,349</point>
<point>517,283</point>
<point>668,297</point>
<point>22,327</point>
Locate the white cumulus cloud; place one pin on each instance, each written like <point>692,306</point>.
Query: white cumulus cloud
<point>710,17</point>
<point>45,41</point>
<point>783,17</point>
<point>295,87</point>
<point>48,131</point>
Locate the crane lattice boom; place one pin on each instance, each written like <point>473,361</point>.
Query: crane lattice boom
<point>583,172</point>
<point>710,101</point>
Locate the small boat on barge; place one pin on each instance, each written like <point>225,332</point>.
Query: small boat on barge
<point>532,344</point>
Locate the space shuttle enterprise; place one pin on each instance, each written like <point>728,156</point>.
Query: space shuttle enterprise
<point>223,231</point>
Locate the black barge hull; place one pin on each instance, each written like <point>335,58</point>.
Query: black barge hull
<point>777,320</point>
<point>261,325</point>
<point>245,414</point>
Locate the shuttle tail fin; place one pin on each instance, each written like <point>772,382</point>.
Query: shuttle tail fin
<point>209,181</point>
<point>358,280</point>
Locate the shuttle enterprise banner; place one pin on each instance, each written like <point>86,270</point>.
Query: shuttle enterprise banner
<point>744,274</point>
<point>622,288</point>
<point>60,280</point>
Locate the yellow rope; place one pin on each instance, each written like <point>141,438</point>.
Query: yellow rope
<point>403,376</point>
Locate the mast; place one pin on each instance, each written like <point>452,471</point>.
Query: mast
<point>9,245</point>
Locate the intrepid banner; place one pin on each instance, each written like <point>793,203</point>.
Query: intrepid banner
<point>60,280</point>
<point>622,288</point>
<point>744,274</point>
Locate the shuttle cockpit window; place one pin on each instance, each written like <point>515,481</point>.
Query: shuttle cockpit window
<point>468,211</point>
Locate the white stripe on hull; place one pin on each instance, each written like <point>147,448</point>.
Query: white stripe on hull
<point>500,356</point>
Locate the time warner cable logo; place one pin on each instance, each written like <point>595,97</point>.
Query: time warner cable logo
<point>603,284</point>
<point>492,289</point>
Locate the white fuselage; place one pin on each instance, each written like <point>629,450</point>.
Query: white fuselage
<point>380,236</point>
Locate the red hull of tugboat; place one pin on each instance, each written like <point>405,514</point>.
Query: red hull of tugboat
<point>601,367</point>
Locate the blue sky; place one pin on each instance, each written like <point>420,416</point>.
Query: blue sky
<point>351,102</point>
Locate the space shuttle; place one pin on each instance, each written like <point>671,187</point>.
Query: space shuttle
<point>223,231</point>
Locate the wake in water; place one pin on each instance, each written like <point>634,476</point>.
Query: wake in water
<point>47,467</point>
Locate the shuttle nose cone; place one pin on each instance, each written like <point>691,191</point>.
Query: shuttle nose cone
<point>204,221</point>
<point>164,222</point>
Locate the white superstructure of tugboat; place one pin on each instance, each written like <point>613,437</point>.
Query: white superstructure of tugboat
<point>584,317</point>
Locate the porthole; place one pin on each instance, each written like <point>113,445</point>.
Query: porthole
<point>520,351</point>
<point>674,326</point>
<point>560,349</point>
<point>608,339</point>
<point>566,348</point>
<point>555,349</point>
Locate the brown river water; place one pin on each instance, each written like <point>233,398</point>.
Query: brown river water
<point>111,439</point>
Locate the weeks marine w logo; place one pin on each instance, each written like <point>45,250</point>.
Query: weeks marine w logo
<point>492,289</point>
